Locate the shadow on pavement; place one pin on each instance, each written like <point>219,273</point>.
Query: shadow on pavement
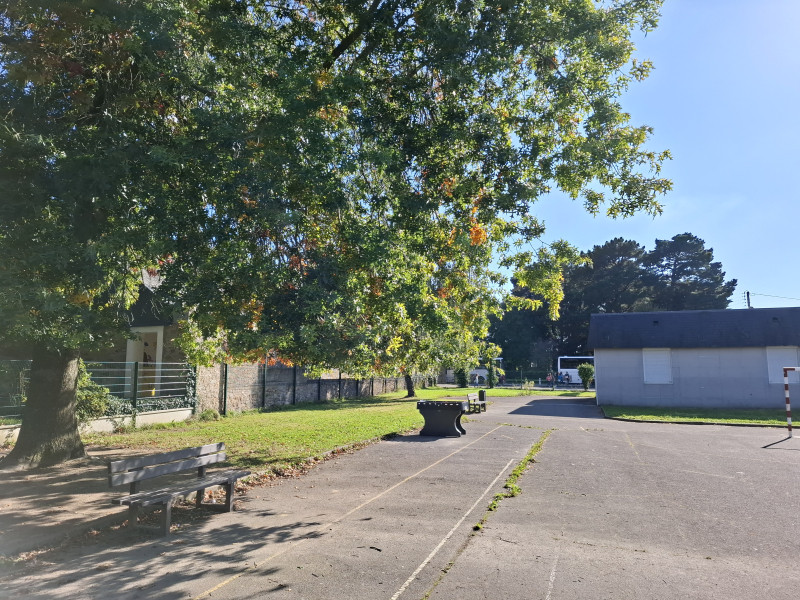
<point>580,408</point>
<point>41,506</point>
<point>415,438</point>
<point>137,564</point>
<point>771,446</point>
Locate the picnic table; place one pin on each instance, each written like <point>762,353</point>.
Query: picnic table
<point>443,417</point>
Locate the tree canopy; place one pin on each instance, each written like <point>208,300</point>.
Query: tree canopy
<point>618,276</point>
<point>325,180</point>
<point>686,276</point>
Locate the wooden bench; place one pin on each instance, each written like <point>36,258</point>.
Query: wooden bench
<point>135,470</point>
<point>476,405</point>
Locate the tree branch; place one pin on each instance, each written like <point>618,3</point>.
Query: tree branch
<point>352,37</point>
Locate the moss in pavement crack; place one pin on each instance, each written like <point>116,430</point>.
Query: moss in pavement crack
<point>511,487</point>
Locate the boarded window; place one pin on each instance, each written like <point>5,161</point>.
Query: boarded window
<point>779,357</point>
<point>657,365</point>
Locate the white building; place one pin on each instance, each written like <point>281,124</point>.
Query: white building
<point>699,358</point>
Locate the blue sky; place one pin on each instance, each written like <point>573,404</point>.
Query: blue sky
<point>723,98</point>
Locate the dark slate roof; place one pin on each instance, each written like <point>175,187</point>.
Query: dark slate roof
<point>148,310</point>
<point>696,329</point>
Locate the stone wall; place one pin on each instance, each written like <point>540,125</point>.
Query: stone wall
<point>250,387</point>
<point>208,388</point>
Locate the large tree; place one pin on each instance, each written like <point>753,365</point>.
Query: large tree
<point>613,279</point>
<point>608,278</point>
<point>281,164</point>
<point>686,277</point>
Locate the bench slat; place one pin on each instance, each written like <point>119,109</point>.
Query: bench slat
<point>179,489</point>
<point>164,469</point>
<point>139,462</point>
<point>134,470</point>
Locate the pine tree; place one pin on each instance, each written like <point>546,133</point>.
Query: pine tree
<point>685,276</point>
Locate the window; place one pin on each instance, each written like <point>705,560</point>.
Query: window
<point>657,364</point>
<point>779,357</point>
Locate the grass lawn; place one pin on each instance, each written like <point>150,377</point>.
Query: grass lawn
<point>280,438</point>
<point>283,437</point>
<point>698,415</point>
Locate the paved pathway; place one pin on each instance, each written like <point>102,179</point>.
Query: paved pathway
<point>638,510</point>
<point>610,509</point>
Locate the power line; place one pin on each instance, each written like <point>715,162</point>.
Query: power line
<point>746,297</point>
<point>771,296</point>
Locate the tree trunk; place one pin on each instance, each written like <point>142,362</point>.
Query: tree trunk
<point>410,387</point>
<point>49,431</point>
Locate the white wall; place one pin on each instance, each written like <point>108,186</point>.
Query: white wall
<point>9,433</point>
<point>701,377</point>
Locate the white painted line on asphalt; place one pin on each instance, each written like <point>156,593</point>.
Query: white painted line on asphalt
<point>319,531</point>
<point>410,477</point>
<point>704,474</point>
<point>450,533</point>
<point>630,441</point>
<point>552,579</point>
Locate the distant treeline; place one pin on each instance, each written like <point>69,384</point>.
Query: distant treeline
<point>678,274</point>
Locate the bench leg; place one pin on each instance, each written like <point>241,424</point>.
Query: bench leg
<point>166,517</point>
<point>229,496</point>
<point>198,499</point>
<point>133,515</point>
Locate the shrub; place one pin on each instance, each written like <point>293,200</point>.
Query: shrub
<point>461,378</point>
<point>92,399</point>
<point>209,414</point>
<point>118,407</point>
<point>586,373</point>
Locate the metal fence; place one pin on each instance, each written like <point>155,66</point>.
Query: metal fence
<point>140,386</point>
<point>13,385</point>
<point>134,386</point>
<point>524,378</point>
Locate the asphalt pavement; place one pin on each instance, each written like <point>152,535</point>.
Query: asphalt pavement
<point>609,509</point>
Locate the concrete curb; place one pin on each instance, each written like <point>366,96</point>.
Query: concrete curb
<point>762,425</point>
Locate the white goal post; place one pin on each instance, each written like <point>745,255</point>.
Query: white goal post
<point>786,394</point>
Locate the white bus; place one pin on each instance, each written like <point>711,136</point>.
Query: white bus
<point>569,365</point>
